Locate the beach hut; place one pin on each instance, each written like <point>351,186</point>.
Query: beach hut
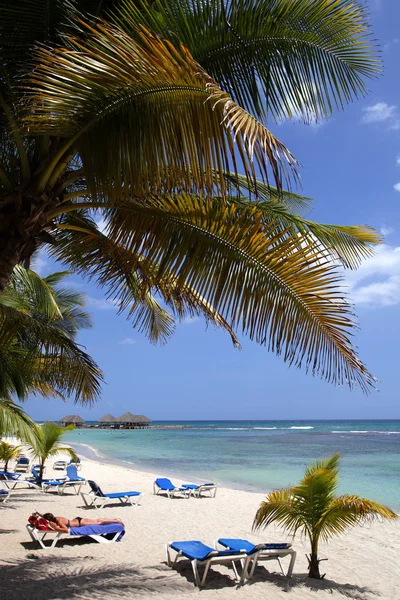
<point>72,420</point>
<point>108,421</point>
<point>130,421</point>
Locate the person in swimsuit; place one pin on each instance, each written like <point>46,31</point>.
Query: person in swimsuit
<point>63,524</point>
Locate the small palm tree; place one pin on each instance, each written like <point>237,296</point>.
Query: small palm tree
<point>312,508</point>
<point>46,443</point>
<point>8,452</point>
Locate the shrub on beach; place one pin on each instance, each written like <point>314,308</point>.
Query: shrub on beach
<point>312,508</point>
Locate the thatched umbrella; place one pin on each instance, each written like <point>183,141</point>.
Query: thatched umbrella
<point>142,419</point>
<point>72,419</point>
<point>129,420</point>
<point>108,419</point>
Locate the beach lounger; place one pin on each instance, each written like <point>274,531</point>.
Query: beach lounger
<point>261,552</point>
<point>77,463</point>
<point>162,485</point>
<point>60,465</point>
<point>22,464</point>
<point>4,495</point>
<point>12,480</point>
<point>38,529</point>
<point>196,490</point>
<point>98,499</point>
<point>201,555</point>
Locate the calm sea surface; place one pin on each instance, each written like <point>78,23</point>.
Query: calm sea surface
<point>259,455</point>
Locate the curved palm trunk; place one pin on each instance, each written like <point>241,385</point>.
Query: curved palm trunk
<point>41,469</point>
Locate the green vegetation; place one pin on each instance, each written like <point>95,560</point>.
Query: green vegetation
<point>139,115</point>
<point>8,452</point>
<point>39,319</point>
<point>313,509</point>
<point>45,443</point>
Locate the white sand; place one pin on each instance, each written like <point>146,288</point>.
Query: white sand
<point>363,564</point>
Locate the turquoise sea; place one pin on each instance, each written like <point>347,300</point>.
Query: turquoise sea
<point>258,455</point>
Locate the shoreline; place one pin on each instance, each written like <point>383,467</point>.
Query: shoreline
<point>172,473</point>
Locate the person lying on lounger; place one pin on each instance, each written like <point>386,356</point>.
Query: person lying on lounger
<point>63,524</point>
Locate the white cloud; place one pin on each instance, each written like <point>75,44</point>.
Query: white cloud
<point>398,161</point>
<point>189,320</point>
<point>386,231</point>
<point>381,111</point>
<point>128,341</point>
<point>100,303</point>
<point>39,262</point>
<point>397,187</point>
<point>377,281</point>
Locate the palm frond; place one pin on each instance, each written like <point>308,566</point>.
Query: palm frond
<point>14,421</point>
<point>154,105</point>
<point>254,274</point>
<point>279,506</point>
<point>349,510</point>
<point>130,280</point>
<point>276,57</point>
<point>348,244</point>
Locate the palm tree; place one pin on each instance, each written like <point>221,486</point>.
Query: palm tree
<point>313,509</point>
<point>39,320</point>
<point>8,452</point>
<point>152,83</point>
<point>46,443</point>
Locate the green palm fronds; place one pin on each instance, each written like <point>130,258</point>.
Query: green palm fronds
<point>280,57</point>
<point>38,323</point>
<point>313,509</point>
<point>46,442</point>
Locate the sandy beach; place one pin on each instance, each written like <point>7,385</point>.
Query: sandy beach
<point>363,563</point>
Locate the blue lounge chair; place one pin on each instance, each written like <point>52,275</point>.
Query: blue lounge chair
<point>205,556</point>
<point>197,490</point>
<point>12,480</point>
<point>46,484</point>
<point>98,499</point>
<point>162,485</point>
<point>77,463</point>
<point>261,552</point>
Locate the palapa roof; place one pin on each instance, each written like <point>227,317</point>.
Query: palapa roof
<point>130,418</point>
<point>107,419</point>
<point>72,419</point>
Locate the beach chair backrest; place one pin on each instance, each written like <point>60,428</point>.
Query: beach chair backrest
<point>23,460</point>
<point>164,483</point>
<point>35,473</point>
<point>72,472</point>
<point>95,488</point>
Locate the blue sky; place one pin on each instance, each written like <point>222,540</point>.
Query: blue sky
<point>351,166</point>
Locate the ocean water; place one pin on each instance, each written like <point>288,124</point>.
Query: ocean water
<point>258,455</point>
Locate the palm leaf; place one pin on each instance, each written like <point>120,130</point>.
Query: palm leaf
<point>348,244</point>
<point>280,57</point>
<point>157,109</point>
<point>14,421</point>
<point>349,510</point>
<point>254,274</point>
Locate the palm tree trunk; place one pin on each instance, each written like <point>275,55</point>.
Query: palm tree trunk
<point>313,566</point>
<point>41,468</point>
<point>22,219</point>
<point>313,561</point>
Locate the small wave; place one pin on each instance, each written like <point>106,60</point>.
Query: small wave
<point>269,428</point>
<point>232,428</point>
<point>369,431</point>
<point>295,427</point>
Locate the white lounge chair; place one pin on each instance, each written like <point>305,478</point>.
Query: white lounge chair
<point>98,499</point>
<point>205,489</point>
<point>201,555</point>
<point>38,529</point>
<point>162,485</point>
<point>261,552</point>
